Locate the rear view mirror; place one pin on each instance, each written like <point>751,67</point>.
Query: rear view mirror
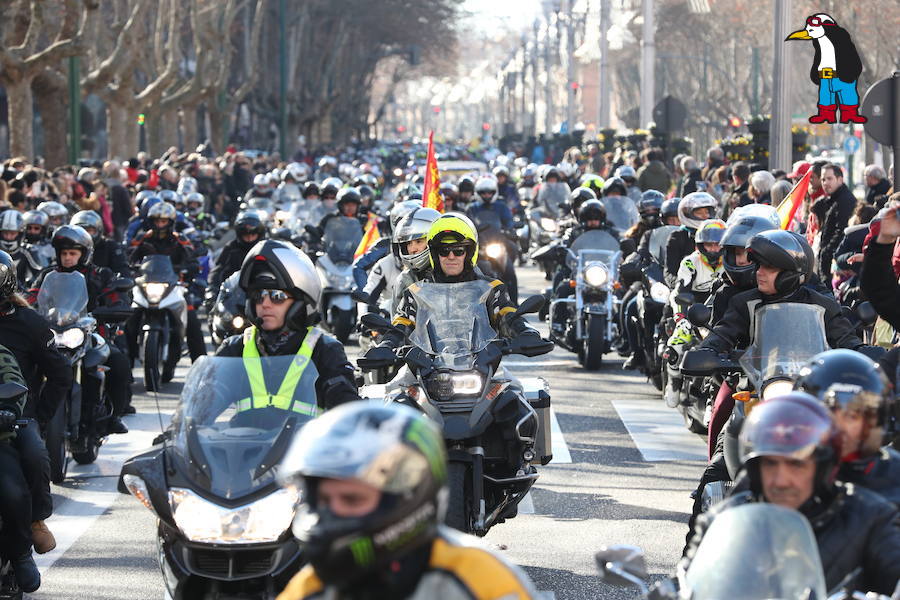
<point>684,298</point>
<point>123,284</point>
<point>622,566</point>
<point>698,363</point>
<point>11,389</point>
<point>699,315</point>
<point>375,322</point>
<point>359,296</point>
<point>531,304</point>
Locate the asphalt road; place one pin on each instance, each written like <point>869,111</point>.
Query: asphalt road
<point>624,466</point>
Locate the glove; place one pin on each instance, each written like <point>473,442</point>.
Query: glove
<point>377,357</point>
<point>7,421</point>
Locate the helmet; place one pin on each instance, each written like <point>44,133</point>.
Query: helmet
<point>449,190</point>
<point>625,172</point>
<point>35,217</point>
<point>466,184</point>
<point>692,202</point>
<point>784,250</point>
<point>274,264</point>
<point>392,448</point>
<point>737,235</point>
<point>846,380</point>
<point>366,191</point>
<point>147,204</point>
<point>592,182</point>
<point>327,161</point>
<point>566,168</point>
<point>173,198</point>
<point>88,218</point>
<point>500,170</point>
<point>11,220</point>
<point>453,228</point>
<point>670,208</point>
<point>9,282</point>
<point>592,210</point>
<point>70,237</point>
<point>797,426</point>
<point>55,211</point>
<point>162,210</point>
<point>249,221</point>
<point>310,188</point>
<point>414,226</point>
<point>261,181</point>
<point>649,207</point>
<point>529,173</point>
<point>400,210</point>
<point>143,195</point>
<point>330,187</point>
<point>195,202</point>
<point>486,184</point>
<point>710,231</point>
<point>579,196</point>
<point>348,196</point>
<point>766,211</point>
<point>552,172</point>
<point>187,185</point>
<point>614,186</point>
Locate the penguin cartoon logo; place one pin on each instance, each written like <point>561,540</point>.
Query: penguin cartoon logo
<point>835,69</point>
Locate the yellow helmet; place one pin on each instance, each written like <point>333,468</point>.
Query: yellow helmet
<point>453,228</point>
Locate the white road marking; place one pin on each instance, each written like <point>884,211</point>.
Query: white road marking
<point>526,506</point>
<point>561,453</point>
<point>658,431</point>
<point>533,364</point>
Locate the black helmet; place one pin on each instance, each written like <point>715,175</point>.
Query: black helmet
<point>89,218</point>
<point>310,188</point>
<point>669,208</point>
<point>273,264</point>
<point>736,236</point>
<point>794,425</point>
<point>393,449</point>
<point>366,191</point>
<point>249,221</point>
<point>162,210</point>
<point>330,187</point>
<point>466,184</point>
<point>783,250</point>
<point>592,210</point>
<point>73,237</point>
<point>614,186</point>
<point>846,380</point>
<point>579,196</point>
<point>650,206</point>
<point>9,282</point>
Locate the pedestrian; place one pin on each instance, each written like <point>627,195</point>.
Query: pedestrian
<point>877,185</point>
<point>761,183</point>
<point>117,197</point>
<point>838,207</point>
<point>653,175</point>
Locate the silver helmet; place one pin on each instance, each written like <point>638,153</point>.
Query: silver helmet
<point>11,220</point>
<point>415,226</point>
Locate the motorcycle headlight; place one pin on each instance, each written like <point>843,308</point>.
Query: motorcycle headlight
<point>596,275</point>
<point>70,338</point>
<point>776,388</point>
<point>548,224</point>
<point>466,384</point>
<point>238,322</point>
<point>155,291</point>
<point>264,520</point>
<point>494,251</point>
<point>659,292</point>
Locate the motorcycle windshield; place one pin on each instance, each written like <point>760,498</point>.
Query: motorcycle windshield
<point>452,321</point>
<point>341,237</point>
<point>158,269</point>
<point>785,336</point>
<point>63,297</point>
<point>658,241</point>
<point>756,551</point>
<point>593,245</point>
<point>236,417</point>
<point>551,196</point>
<point>233,296</point>
<point>487,222</point>
<point>621,212</point>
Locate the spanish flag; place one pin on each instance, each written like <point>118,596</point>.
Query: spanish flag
<point>788,207</point>
<point>431,196</point>
<point>370,236</point>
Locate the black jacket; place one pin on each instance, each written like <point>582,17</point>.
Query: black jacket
<point>879,473</point>
<point>229,262</point>
<point>120,201</point>
<point>27,335</point>
<point>733,330</point>
<point>109,253</point>
<point>879,284</point>
<point>98,286</point>
<point>840,207</point>
<point>875,194</point>
<point>858,528</point>
<point>681,243</point>
<point>174,246</point>
<point>335,385</point>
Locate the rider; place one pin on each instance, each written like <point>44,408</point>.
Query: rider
<point>466,190</point>
<point>107,253</point>
<point>74,249</point>
<point>649,209</point>
<point>15,503</point>
<point>364,263</point>
<point>790,450</point>
<point>283,293</point>
<point>11,229</point>
<point>162,239</point>
<point>386,498</point>
<point>248,229</point>
<point>622,209</point>
<point>486,190</point>
<point>411,246</point>
<point>506,188</point>
<point>864,408</point>
<point>693,209</point>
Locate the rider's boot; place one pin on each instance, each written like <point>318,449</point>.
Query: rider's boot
<point>42,537</point>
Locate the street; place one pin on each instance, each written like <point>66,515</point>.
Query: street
<point>624,466</point>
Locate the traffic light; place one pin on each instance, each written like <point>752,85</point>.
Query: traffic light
<point>401,129</point>
<point>485,126</point>
<point>574,85</point>
<point>436,109</point>
<point>735,122</point>
<point>141,118</point>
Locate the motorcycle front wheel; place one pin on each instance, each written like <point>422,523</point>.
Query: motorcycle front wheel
<point>459,483</point>
<point>89,455</point>
<point>153,360</point>
<point>55,440</point>
<point>595,342</point>
<point>341,324</point>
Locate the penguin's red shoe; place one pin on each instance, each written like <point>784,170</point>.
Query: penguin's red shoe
<point>827,114</point>
<point>849,114</point>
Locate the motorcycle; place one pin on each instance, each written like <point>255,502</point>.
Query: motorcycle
<point>335,267</point>
<point>495,257</point>
<point>9,588</point>
<point>161,313</point>
<point>591,327</point>
<point>226,318</point>
<point>79,426</point>
<point>495,430</point>
<point>551,205</point>
<point>223,528</point>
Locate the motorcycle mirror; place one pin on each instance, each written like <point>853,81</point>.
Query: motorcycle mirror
<point>622,565</point>
<point>866,313</point>
<point>699,315</point>
<point>359,296</point>
<point>566,207</point>
<point>11,389</point>
<point>312,230</point>
<point>531,304</point>
<point>375,322</point>
<point>700,363</point>
<point>685,298</point>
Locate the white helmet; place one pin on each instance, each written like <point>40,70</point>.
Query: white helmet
<point>261,180</point>
<point>766,211</point>
<point>187,185</point>
<point>297,171</point>
<point>691,203</point>
<point>486,183</point>
<point>11,220</point>
<point>566,168</point>
<point>415,226</point>
<point>400,210</point>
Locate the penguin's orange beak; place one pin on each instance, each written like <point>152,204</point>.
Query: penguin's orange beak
<point>799,35</point>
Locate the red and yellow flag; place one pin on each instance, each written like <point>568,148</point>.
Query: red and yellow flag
<point>431,196</point>
<point>788,207</point>
<point>370,236</point>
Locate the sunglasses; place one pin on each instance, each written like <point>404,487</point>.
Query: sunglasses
<point>276,296</point>
<point>454,250</point>
<point>816,22</point>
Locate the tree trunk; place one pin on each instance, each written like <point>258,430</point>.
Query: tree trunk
<point>168,133</point>
<point>189,128</point>
<point>20,113</point>
<point>218,126</point>
<point>51,103</point>
<point>155,126</point>
<point>117,130</point>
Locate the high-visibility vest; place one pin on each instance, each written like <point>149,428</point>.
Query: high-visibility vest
<point>284,397</point>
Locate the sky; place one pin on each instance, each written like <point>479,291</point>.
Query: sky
<point>514,14</point>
